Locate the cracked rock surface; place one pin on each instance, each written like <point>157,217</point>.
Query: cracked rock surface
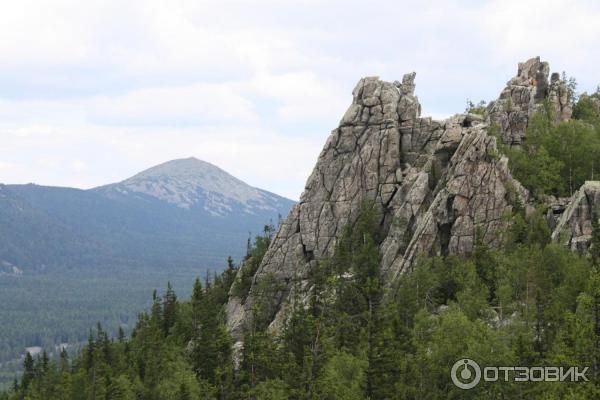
<point>574,227</point>
<point>524,95</point>
<point>437,183</point>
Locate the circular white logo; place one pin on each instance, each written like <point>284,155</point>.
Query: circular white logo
<point>469,375</point>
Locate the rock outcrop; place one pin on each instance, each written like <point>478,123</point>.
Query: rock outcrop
<point>574,228</point>
<point>438,184</point>
<point>524,95</point>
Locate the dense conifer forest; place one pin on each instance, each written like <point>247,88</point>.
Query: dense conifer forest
<point>534,303</point>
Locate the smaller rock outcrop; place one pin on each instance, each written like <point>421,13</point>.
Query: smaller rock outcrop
<point>524,95</point>
<point>556,208</point>
<point>574,228</point>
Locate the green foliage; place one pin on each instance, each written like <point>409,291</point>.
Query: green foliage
<point>256,252</point>
<point>478,108</point>
<point>557,158</point>
<point>537,171</point>
<point>571,82</point>
<point>595,243</point>
<point>105,254</point>
<point>586,109</point>
<point>343,378</point>
<point>61,305</point>
<point>271,389</point>
<point>348,336</point>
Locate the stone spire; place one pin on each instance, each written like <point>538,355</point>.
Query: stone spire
<point>524,95</point>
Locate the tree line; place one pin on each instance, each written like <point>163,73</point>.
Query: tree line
<point>349,335</point>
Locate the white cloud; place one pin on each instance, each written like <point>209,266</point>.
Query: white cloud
<point>92,92</point>
<point>78,166</point>
<point>7,167</point>
<point>192,104</point>
<point>302,95</point>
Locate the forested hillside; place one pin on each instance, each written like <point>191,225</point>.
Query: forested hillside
<point>72,257</point>
<point>533,303</point>
<point>185,212</point>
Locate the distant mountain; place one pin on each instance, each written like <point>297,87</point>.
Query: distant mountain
<point>197,185</point>
<point>185,213</point>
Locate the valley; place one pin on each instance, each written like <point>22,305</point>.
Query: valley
<point>72,258</point>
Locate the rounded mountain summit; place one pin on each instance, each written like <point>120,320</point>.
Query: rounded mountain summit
<point>184,213</point>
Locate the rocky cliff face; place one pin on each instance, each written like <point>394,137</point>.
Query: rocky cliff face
<point>574,227</point>
<point>438,184</point>
<point>524,95</point>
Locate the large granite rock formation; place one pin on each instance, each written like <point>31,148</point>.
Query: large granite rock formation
<point>436,183</point>
<point>524,95</point>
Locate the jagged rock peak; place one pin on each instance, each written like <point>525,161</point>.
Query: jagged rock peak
<point>435,182</point>
<point>524,95</point>
<point>376,102</point>
<point>533,72</point>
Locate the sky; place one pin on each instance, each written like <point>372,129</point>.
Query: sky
<point>92,92</point>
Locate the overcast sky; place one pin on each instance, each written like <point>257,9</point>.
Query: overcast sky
<point>92,92</point>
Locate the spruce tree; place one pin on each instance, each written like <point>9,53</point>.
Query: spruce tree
<point>197,302</point>
<point>169,309</point>
<point>89,352</point>
<point>595,244</point>
<point>121,334</point>
<point>28,371</point>
<point>45,360</point>
<point>64,360</point>
<point>229,274</point>
<point>183,393</point>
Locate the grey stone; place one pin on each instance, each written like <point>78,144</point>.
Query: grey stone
<point>525,95</point>
<point>574,226</point>
<point>437,183</point>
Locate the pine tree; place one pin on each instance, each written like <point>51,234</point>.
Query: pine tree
<point>89,352</point>
<point>156,313</point>
<point>211,352</point>
<point>224,371</point>
<point>229,274</point>
<point>595,244</point>
<point>28,371</point>
<point>121,334</point>
<point>485,265</point>
<point>197,302</point>
<point>64,360</point>
<point>249,244</point>
<point>45,360</point>
<point>169,309</point>
<point>384,359</point>
<point>184,392</point>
